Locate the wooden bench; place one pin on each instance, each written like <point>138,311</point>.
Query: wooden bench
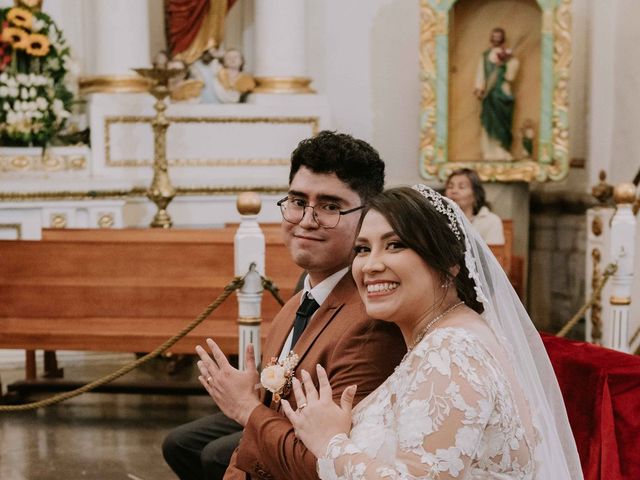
<point>513,265</point>
<point>126,290</point>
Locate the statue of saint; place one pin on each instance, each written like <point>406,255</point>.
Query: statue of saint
<point>496,71</point>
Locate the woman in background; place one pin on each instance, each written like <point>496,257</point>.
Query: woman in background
<point>465,188</point>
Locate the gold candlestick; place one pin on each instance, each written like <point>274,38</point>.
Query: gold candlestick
<point>161,192</point>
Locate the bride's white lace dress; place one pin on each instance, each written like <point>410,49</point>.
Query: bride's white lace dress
<point>448,411</point>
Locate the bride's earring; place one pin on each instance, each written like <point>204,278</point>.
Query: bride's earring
<point>446,283</point>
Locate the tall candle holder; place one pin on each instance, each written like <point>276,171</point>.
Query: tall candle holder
<point>161,192</point>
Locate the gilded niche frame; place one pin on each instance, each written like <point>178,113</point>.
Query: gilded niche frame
<point>552,160</point>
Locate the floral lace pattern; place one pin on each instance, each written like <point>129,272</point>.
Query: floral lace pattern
<point>446,412</point>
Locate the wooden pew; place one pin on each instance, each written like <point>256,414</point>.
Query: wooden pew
<point>126,290</point>
<point>512,264</point>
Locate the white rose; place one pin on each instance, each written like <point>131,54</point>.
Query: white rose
<point>37,24</point>
<point>273,378</point>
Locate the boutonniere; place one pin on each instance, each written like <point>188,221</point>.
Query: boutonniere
<point>276,376</point>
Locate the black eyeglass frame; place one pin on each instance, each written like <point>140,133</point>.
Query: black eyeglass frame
<point>280,203</point>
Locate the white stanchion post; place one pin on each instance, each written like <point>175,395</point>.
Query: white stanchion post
<point>623,229</point>
<point>249,253</point>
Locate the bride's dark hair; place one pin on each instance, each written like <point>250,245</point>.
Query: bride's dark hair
<point>426,231</point>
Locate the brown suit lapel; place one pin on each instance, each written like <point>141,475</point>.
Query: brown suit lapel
<point>282,324</point>
<point>325,314</point>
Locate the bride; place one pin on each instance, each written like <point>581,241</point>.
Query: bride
<point>475,396</point>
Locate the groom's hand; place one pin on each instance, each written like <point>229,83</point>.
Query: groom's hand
<point>234,391</point>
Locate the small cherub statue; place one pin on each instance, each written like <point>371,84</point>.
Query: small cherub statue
<point>223,76</point>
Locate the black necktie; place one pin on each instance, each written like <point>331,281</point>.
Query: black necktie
<point>307,308</point>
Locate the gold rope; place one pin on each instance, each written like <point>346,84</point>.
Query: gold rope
<point>268,284</point>
<point>608,271</point>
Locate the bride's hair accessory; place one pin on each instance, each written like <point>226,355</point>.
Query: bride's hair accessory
<point>276,376</point>
<point>449,208</point>
<point>442,206</point>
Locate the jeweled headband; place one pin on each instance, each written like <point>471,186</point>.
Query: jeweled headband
<point>441,206</point>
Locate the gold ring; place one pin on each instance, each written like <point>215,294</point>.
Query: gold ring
<point>209,379</point>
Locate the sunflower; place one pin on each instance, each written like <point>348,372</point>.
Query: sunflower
<point>17,37</point>
<point>38,45</point>
<point>20,17</point>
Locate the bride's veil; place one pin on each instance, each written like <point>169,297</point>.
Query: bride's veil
<point>556,454</point>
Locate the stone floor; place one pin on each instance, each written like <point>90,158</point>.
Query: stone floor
<point>94,436</point>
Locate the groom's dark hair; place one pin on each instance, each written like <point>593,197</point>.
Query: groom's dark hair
<point>354,161</point>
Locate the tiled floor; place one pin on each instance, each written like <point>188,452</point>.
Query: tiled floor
<point>94,436</point>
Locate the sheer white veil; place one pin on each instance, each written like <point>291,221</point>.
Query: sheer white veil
<point>556,453</point>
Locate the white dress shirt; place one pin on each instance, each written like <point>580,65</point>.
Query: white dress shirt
<point>319,293</point>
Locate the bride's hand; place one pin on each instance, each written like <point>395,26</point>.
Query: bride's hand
<point>318,419</point>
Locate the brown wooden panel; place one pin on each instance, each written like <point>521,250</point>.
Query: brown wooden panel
<point>125,290</point>
<point>115,335</point>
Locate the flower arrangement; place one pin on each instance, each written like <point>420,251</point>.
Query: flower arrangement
<point>276,376</point>
<point>35,103</point>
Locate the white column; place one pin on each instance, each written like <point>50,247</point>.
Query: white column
<point>249,256</point>
<point>121,42</point>
<point>280,53</point>
<point>623,229</point>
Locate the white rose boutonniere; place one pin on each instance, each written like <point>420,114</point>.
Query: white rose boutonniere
<point>276,376</point>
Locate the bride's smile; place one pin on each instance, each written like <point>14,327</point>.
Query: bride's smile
<point>394,282</point>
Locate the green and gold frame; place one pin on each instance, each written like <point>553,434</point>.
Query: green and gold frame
<point>546,97</point>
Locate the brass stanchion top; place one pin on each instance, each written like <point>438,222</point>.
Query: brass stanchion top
<point>249,203</point>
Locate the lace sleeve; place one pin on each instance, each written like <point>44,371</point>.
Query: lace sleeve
<point>439,410</point>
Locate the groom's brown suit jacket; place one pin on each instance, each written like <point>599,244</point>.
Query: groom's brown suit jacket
<point>353,349</point>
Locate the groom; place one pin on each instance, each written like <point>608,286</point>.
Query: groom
<point>332,176</point>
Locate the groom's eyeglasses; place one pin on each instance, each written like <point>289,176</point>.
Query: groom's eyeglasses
<point>325,214</point>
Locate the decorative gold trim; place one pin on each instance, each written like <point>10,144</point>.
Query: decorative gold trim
<point>283,85</point>
<point>106,220</point>
<point>113,84</point>
<point>615,300</point>
<point>58,220</point>
<point>596,226</point>
<point>314,122</point>
<point>47,163</point>
<point>137,192</point>
<point>434,164</point>
<point>14,226</point>
<point>249,321</point>
<point>559,166</point>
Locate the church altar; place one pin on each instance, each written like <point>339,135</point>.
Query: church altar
<point>214,151</point>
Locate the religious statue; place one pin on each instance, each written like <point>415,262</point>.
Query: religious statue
<point>528,136</point>
<point>222,75</point>
<point>496,71</point>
